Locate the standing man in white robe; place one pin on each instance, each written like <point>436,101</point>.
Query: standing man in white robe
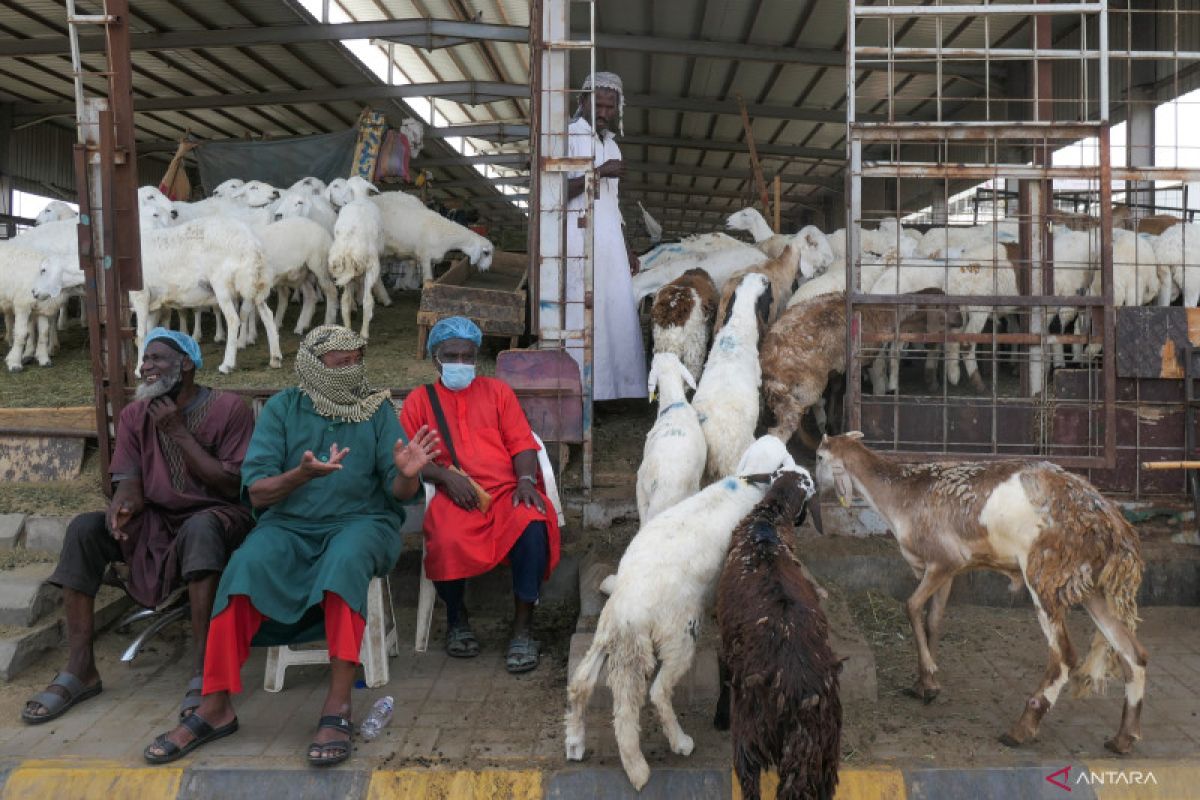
<point>619,357</point>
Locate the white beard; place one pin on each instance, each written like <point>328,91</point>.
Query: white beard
<point>164,385</point>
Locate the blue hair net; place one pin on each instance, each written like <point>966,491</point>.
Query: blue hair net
<point>453,328</point>
<point>178,341</point>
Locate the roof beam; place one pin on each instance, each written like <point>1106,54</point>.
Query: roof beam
<point>743,51</point>
<point>714,105</point>
<point>630,188</point>
<point>782,150</point>
<point>429,34</point>
<point>468,92</point>
<point>648,168</point>
<point>516,160</point>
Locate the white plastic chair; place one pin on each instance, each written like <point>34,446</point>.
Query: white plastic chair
<point>378,643</point>
<point>427,595</point>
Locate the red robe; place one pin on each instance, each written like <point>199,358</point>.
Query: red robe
<point>488,428</point>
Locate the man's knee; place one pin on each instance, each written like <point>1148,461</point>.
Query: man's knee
<point>87,549</point>
<point>200,545</point>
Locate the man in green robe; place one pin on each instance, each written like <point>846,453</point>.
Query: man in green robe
<point>326,471</point>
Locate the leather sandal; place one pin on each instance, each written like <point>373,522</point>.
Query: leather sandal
<point>201,730</point>
<point>340,747</point>
<point>56,704</point>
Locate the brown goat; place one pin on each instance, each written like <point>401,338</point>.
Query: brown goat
<point>782,272</point>
<point>1155,224</point>
<point>1030,520</point>
<point>782,673</point>
<point>799,353</point>
<point>682,318</point>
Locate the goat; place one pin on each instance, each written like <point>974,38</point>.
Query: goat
<point>658,601</point>
<point>783,273</point>
<point>1030,520</point>
<point>673,457</point>
<point>778,668</point>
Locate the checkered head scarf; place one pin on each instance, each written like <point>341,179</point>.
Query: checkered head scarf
<point>341,392</point>
<point>609,80</point>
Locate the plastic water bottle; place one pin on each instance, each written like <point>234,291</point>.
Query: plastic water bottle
<point>379,718</point>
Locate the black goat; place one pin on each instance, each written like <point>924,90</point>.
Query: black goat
<point>776,659</point>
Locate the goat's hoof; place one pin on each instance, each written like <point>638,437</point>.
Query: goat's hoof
<point>46,363</point>
<point>15,368</point>
<point>575,750</point>
<point>684,745</point>
<point>276,363</point>
<point>1121,744</point>
<point>225,369</point>
<point>926,694</point>
<point>721,720</point>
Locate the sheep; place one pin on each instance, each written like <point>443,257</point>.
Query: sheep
<point>719,255</point>
<point>54,211</point>
<point>658,601</point>
<point>940,242</point>
<point>727,400</point>
<point>204,262</point>
<point>1143,269</point>
<point>751,221</point>
<point>24,296</point>
<point>782,271</point>
<point>673,457</point>
<point>311,186</point>
<point>816,252</point>
<point>1155,224</point>
<point>682,317</point>
<point>413,231</point>
<point>251,202</point>
<point>302,204</point>
<point>357,244</point>
<point>297,253</point>
<point>799,353</point>
<point>1177,249</point>
<point>782,674</point>
<point>226,188</point>
<point>1034,522</point>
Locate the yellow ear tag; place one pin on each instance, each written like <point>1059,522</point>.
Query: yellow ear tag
<point>842,499</point>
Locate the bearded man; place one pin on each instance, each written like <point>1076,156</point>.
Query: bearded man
<point>174,515</point>
<point>326,472</point>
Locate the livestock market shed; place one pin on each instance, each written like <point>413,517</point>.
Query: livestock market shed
<point>974,125</point>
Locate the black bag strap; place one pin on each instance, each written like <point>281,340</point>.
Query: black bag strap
<point>443,428</point>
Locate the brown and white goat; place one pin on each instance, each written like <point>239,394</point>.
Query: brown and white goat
<point>682,318</point>
<point>783,272</point>
<point>780,670</point>
<point>1030,520</point>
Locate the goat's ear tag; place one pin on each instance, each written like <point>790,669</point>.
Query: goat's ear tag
<point>842,499</point>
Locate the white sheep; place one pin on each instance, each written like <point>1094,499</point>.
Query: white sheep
<point>719,255</point>
<point>357,245</point>
<point>251,202</point>
<point>1178,251</point>
<point>204,262</point>
<point>411,230</point>
<point>674,453</point>
<point>663,586</point>
<point>728,398</point>
<point>227,187</point>
<point>28,293</point>
<point>1142,269</point>
<point>297,253</point>
<point>312,206</point>
<point>816,253</point>
<point>54,211</point>
<point>309,185</point>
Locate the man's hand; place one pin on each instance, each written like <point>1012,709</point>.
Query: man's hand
<point>527,494</point>
<point>313,467</point>
<point>460,490</point>
<point>119,513</point>
<point>635,264</point>
<point>166,417</point>
<point>410,459</point>
<point>613,168</point>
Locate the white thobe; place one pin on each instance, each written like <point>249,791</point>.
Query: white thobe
<point>619,357</point>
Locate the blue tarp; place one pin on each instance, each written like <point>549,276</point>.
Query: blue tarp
<point>279,162</point>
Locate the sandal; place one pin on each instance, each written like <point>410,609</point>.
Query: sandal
<point>201,730</point>
<point>461,642</point>
<point>56,704</point>
<point>192,697</point>
<point>340,747</point>
<point>523,652</point>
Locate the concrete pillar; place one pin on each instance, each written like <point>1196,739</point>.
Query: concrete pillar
<point>1139,128</point>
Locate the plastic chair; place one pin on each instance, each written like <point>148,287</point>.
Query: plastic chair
<point>427,595</point>
<point>378,643</point>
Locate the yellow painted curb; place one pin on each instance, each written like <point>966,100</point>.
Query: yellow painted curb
<point>853,784</point>
<point>86,779</point>
<point>1140,780</point>
<point>455,785</point>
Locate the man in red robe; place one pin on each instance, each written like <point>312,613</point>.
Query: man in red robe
<point>485,436</point>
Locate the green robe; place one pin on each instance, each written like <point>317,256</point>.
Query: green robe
<point>333,534</point>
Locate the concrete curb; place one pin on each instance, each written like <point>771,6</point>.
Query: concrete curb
<point>1098,780</point>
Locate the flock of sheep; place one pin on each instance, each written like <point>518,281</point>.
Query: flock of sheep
<point>745,327</point>
<point>227,252</point>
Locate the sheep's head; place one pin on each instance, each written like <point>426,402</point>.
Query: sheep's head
<point>308,185</point>
<point>338,192</point>
<point>360,188</point>
<point>153,218</point>
<point>831,466</point>
<point>53,212</point>
<point>227,188</point>
<point>256,194</point>
<point>55,274</point>
<point>149,197</point>
<point>664,365</point>
<point>791,492</point>
<point>815,253</point>
<point>481,254</point>
<point>293,204</point>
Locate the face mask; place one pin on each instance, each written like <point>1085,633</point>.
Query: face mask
<point>457,377</point>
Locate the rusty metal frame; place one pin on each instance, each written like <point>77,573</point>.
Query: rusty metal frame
<point>1035,281</point>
